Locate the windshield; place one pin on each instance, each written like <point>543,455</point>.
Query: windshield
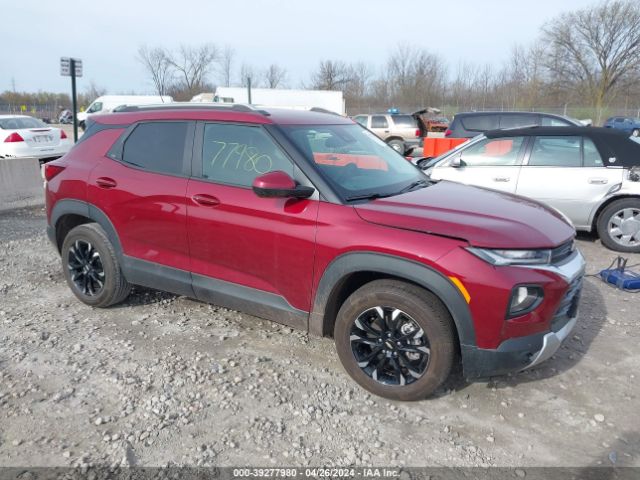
<point>17,123</point>
<point>354,160</point>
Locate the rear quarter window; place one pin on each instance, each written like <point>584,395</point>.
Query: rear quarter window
<point>517,121</point>
<point>480,123</point>
<point>404,121</point>
<point>157,146</point>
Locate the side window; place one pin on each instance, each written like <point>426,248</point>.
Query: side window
<point>157,147</point>
<point>493,152</point>
<point>237,154</point>
<point>554,122</point>
<point>361,119</point>
<point>404,121</point>
<point>95,107</point>
<point>379,121</point>
<point>515,121</point>
<point>592,156</point>
<point>480,123</point>
<point>556,152</point>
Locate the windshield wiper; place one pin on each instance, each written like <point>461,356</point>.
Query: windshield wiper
<point>411,186</point>
<point>367,196</point>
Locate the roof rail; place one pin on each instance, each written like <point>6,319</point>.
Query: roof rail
<point>235,107</point>
<point>323,110</point>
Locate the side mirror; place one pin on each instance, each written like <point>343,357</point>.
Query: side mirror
<point>457,162</point>
<point>279,185</point>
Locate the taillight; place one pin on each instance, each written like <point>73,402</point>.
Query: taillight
<point>448,133</point>
<point>14,137</point>
<point>51,171</point>
<point>62,135</point>
<point>418,132</point>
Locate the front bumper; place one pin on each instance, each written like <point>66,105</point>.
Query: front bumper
<point>519,353</point>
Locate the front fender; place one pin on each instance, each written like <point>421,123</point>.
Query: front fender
<point>402,268</point>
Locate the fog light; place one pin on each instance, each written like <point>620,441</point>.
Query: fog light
<point>524,299</point>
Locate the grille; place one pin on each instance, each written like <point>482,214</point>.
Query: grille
<point>568,307</point>
<point>562,252</point>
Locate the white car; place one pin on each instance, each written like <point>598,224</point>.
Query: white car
<point>23,136</point>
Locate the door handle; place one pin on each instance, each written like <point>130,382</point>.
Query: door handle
<point>598,181</point>
<point>205,200</point>
<point>106,182</point>
<point>501,179</point>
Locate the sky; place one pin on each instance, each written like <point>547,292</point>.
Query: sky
<point>296,34</point>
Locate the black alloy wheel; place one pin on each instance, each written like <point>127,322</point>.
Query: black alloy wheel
<point>85,266</point>
<point>389,346</point>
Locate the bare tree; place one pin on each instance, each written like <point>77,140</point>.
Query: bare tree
<point>192,64</point>
<point>156,63</point>
<point>248,72</point>
<point>274,76</point>
<point>596,48</point>
<point>331,75</point>
<point>416,76</point>
<point>225,65</point>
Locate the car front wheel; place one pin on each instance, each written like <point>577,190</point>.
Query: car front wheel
<point>636,133</point>
<point>395,339</point>
<point>619,225</point>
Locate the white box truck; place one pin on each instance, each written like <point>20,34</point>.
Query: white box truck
<point>275,97</point>
<point>107,103</point>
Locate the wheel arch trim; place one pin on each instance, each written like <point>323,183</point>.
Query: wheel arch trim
<point>402,268</point>
<point>85,209</point>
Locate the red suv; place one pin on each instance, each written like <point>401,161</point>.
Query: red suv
<point>310,220</point>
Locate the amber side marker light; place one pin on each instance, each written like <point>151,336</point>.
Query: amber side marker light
<point>456,281</point>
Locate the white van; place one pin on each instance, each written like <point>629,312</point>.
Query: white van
<point>107,103</point>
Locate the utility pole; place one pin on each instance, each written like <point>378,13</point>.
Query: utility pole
<point>249,90</point>
<point>72,67</point>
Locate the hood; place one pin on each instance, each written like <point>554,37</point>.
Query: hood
<point>484,218</point>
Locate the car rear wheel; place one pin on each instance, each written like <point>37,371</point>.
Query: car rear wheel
<point>397,145</point>
<point>91,267</point>
<point>395,339</point>
<point>619,225</point>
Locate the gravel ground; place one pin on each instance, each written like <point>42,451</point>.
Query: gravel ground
<point>165,380</point>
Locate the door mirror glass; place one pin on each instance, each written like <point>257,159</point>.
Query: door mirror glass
<point>279,185</point>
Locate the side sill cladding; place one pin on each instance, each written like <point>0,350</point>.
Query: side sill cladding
<point>398,267</point>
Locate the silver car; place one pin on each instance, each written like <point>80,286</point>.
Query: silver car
<point>591,175</point>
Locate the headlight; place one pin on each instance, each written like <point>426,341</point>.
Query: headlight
<point>512,257</point>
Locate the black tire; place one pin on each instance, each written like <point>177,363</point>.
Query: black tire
<point>397,145</point>
<point>85,241</point>
<point>636,133</point>
<point>606,219</point>
<point>418,306</point>
<point>82,126</point>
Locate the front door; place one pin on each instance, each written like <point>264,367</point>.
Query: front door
<point>491,163</point>
<point>245,248</point>
<point>568,173</point>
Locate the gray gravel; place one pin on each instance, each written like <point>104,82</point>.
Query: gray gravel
<point>164,380</point>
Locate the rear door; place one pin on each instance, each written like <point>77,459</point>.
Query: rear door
<point>491,163</point>
<point>379,125</point>
<point>142,188</point>
<point>404,126</point>
<point>568,173</point>
<point>251,247</point>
